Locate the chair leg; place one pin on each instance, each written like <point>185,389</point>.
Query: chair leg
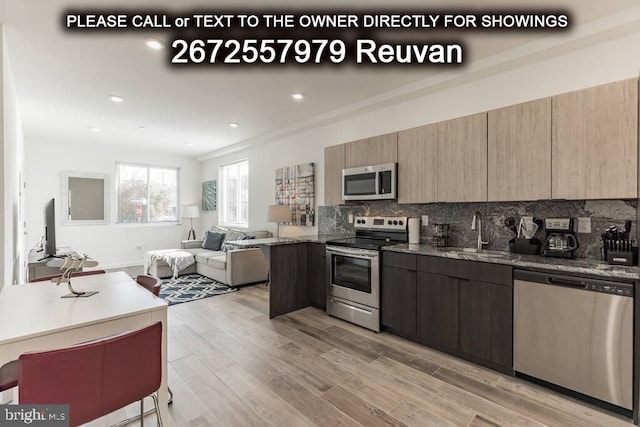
<point>157,407</point>
<point>170,396</point>
<point>142,412</point>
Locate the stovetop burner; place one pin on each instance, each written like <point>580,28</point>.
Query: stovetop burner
<point>374,232</point>
<point>362,243</point>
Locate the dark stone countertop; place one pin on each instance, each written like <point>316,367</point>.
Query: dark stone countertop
<point>321,238</point>
<point>274,241</point>
<point>580,265</point>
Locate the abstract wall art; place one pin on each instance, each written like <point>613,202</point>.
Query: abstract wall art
<point>209,195</point>
<point>295,188</point>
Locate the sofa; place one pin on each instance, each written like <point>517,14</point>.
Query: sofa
<point>231,266</point>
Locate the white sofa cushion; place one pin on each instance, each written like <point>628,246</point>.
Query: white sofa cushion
<point>216,259</point>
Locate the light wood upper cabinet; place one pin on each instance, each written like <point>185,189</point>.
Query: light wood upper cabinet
<point>333,165</point>
<point>519,152</point>
<point>418,164</point>
<point>372,151</point>
<point>462,159</point>
<point>595,142</point>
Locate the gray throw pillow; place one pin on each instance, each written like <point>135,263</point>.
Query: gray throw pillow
<point>212,241</point>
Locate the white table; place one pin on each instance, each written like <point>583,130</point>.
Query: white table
<point>34,317</point>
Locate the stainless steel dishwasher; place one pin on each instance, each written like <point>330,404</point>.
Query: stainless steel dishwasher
<point>576,333</point>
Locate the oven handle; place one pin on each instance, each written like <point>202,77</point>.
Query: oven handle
<point>358,253</point>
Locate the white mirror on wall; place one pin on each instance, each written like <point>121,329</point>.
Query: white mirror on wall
<point>85,198</point>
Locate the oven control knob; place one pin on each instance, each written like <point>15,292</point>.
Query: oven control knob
<point>401,223</point>
<point>389,222</point>
<point>395,222</point>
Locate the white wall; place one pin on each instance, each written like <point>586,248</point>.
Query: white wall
<point>112,245</point>
<point>602,63</point>
<point>12,161</point>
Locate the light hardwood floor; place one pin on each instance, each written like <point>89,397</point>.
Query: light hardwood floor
<point>232,366</point>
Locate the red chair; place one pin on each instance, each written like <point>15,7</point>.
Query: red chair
<point>74,274</point>
<point>95,378</point>
<point>151,283</point>
<point>8,375</point>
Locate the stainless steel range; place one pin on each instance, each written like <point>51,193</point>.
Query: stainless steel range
<point>353,267</point>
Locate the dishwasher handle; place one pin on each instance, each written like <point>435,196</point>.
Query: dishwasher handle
<point>621,288</point>
<point>577,284</point>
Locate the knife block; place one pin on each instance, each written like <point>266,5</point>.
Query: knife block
<point>518,245</point>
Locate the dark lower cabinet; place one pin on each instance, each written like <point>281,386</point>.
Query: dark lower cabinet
<point>437,310</point>
<point>460,307</point>
<point>317,271</point>
<point>288,288</point>
<point>398,300</point>
<point>486,326</point>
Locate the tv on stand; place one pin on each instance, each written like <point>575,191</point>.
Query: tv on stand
<point>49,244</point>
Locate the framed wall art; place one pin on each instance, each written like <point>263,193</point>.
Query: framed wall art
<point>209,195</point>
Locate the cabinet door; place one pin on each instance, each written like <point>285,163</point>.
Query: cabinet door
<point>418,165</point>
<point>595,142</point>
<point>486,324</point>
<point>519,152</point>
<point>317,271</point>
<point>288,274</point>
<point>398,300</point>
<point>333,165</point>
<point>437,307</point>
<point>372,151</point>
<point>462,159</point>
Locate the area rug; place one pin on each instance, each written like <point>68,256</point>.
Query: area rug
<point>191,287</point>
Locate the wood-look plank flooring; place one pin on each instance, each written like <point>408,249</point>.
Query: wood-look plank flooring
<point>229,365</point>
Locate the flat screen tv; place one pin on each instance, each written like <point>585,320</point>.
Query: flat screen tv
<point>49,229</point>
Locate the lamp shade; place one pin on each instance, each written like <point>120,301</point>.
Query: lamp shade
<point>191,211</point>
<point>278,213</point>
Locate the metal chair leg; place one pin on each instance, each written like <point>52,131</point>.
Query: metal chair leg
<point>142,412</point>
<point>170,401</point>
<point>157,407</point>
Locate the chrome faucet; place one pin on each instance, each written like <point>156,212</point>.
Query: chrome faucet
<point>477,222</point>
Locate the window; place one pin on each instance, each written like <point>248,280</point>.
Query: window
<point>147,194</point>
<point>234,194</point>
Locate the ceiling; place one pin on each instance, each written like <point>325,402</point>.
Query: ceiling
<point>63,79</point>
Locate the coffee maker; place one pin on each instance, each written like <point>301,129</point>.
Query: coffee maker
<point>560,238</point>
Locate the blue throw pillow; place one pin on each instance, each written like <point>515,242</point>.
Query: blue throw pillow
<point>212,241</point>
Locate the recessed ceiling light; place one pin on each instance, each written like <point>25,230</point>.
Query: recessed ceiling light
<point>155,44</point>
<point>189,144</point>
<point>94,129</point>
<point>141,127</point>
<point>297,96</point>
<point>234,124</point>
<point>115,98</point>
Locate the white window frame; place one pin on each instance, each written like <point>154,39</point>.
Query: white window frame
<point>222,213</point>
<point>147,166</point>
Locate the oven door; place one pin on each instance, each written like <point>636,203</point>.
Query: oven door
<point>354,275</point>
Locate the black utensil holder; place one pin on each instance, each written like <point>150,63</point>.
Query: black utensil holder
<point>518,245</point>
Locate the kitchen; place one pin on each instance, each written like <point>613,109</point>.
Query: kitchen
<point>563,166</point>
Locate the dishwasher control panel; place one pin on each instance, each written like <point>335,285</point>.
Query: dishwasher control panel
<point>610,288</point>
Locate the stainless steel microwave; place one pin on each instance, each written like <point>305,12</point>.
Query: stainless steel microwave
<point>373,182</point>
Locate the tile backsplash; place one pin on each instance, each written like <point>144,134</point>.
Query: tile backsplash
<point>334,219</point>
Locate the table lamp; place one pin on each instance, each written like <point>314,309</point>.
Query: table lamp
<point>191,212</point>
<point>278,214</point>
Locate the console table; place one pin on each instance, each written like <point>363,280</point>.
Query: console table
<point>37,267</point>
